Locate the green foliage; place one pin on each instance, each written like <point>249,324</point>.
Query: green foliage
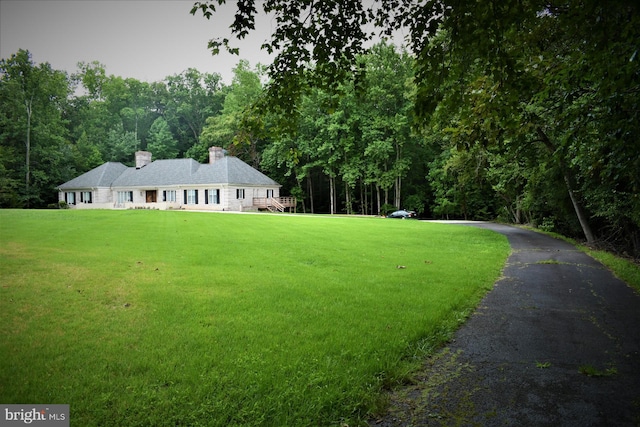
<point>386,209</point>
<point>592,371</point>
<point>9,182</point>
<point>623,267</point>
<point>239,127</point>
<point>546,94</point>
<point>121,145</point>
<point>33,130</point>
<point>360,139</point>
<point>160,141</point>
<point>183,318</point>
<point>187,100</point>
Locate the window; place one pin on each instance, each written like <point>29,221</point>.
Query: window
<point>169,196</point>
<point>70,197</point>
<point>125,196</point>
<point>212,196</point>
<point>85,197</point>
<point>191,197</point>
<point>240,193</point>
<point>269,194</point>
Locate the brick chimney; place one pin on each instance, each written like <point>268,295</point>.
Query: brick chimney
<point>215,153</point>
<point>143,158</point>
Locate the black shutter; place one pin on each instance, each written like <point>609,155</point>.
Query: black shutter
<point>196,191</point>
<point>218,196</point>
<point>131,196</point>
<point>206,197</point>
<point>164,195</point>
<point>81,196</point>
<point>184,201</point>
<point>90,197</point>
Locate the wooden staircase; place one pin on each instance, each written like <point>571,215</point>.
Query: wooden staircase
<point>275,204</point>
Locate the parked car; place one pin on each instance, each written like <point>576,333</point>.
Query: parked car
<point>402,214</point>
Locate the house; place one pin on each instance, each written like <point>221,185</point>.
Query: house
<point>226,183</point>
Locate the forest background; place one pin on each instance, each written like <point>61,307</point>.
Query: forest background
<point>500,110</point>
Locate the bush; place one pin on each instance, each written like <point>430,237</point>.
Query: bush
<point>386,209</point>
<point>415,203</point>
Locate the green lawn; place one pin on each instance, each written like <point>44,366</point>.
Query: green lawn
<point>181,318</point>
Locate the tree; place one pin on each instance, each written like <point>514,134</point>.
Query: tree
<point>32,98</point>
<point>328,34</point>
<point>93,77</point>
<point>386,107</point>
<point>186,100</point>
<point>92,114</point>
<point>86,154</point>
<point>239,127</point>
<point>121,145</point>
<point>356,138</point>
<point>160,140</point>
<point>138,115</point>
<point>529,83</point>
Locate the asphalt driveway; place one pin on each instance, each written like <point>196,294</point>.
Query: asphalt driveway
<point>555,343</point>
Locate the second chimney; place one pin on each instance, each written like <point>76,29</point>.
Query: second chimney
<point>143,158</point>
<point>215,153</point>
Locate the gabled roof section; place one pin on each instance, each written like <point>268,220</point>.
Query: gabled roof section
<point>101,176</point>
<point>231,170</point>
<point>159,173</point>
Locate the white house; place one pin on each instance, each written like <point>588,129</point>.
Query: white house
<point>226,183</point>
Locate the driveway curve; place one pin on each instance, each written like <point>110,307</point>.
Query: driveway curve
<point>556,342</point>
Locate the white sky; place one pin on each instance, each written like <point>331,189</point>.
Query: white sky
<point>144,39</point>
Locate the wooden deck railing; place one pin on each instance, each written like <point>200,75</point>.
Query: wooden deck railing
<point>274,203</point>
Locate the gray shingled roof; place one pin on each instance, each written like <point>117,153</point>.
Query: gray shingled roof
<point>102,176</point>
<point>160,172</point>
<point>228,170</point>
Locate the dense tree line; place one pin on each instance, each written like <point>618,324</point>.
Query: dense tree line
<point>355,151</point>
<point>526,110</point>
<point>523,112</point>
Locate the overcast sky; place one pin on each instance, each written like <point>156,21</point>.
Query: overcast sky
<point>144,39</point>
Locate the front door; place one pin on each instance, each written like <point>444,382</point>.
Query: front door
<point>152,196</point>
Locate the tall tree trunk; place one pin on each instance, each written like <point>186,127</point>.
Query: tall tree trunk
<point>27,177</point>
<point>378,198</point>
<point>363,199</point>
<point>347,198</point>
<point>577,206</point>
<point>303,201</point>
<point>398,187</point>
<point>332,192</point>
<point>396,199</point>
<point>310,187</point>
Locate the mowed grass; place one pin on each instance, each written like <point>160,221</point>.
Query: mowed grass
<point>180,318</point>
